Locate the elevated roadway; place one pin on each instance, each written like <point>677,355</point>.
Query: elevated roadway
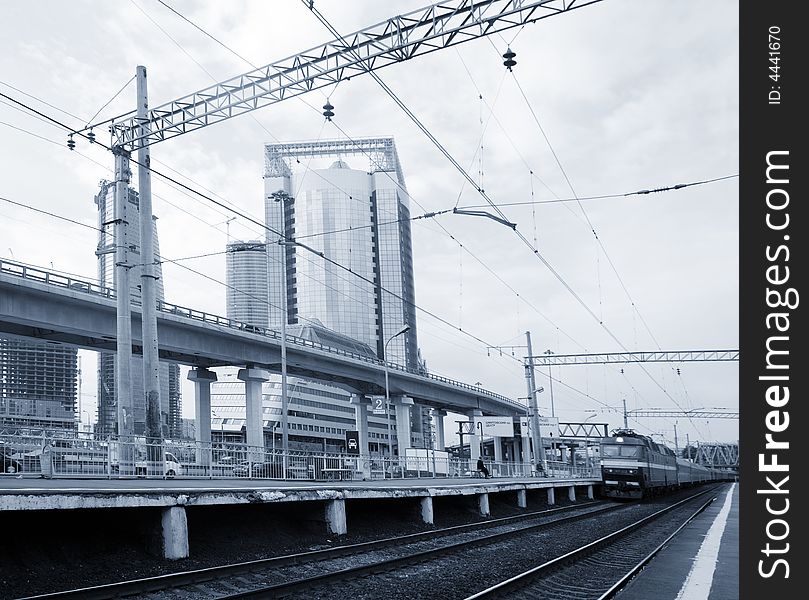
<point>48,306</point>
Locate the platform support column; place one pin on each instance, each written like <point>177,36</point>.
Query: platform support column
<point>202,378</point>
<point>336,516</point>
<point>571,493</point>
<point>483,504</point>
<point>498,456</point>
<point>590,492</point>
<point>474,442</point>
<point>174,526</point>
<point>522,499</point>
<point>551,496</point>
<point>253,380</point>
<point>427,514</point>
<point>525,446</point>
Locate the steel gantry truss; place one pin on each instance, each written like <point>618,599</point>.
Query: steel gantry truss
<point>381,152</point>
<point>395,40</point>
<point>552,360</point>
<point>694,413</point>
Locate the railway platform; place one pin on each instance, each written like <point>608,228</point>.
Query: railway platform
<point>167,504</point>
<point>700,563</point>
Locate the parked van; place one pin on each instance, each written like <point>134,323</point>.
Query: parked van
<point>171,465</point>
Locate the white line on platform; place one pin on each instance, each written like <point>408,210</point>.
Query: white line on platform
<point>697,585</point>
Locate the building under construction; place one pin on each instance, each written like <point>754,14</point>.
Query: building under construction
<point>38,387</point>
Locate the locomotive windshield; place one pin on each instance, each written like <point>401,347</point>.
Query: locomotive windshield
<point>621,450</point>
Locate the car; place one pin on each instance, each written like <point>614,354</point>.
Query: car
<point>242,469</point>
<point>9,463</point>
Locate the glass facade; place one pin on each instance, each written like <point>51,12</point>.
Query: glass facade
<point>359,220</point>
<point>170,398</point>
<point>246,276</point>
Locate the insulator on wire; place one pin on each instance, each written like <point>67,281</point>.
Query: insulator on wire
<point>91,137</point>
<point>70,143</point>
<point>509,56</point>
<point>327,110</point>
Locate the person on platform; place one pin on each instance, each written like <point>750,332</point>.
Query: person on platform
<point>482,468</point>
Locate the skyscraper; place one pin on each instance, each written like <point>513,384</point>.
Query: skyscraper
<point>246,278</point>
<point>358,219</point>
<point>362,285</point>
<point>170,400</point>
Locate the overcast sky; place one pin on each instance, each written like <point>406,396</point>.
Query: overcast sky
<point>631,95</point>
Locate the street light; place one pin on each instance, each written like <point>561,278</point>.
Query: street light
<point>404,329</point>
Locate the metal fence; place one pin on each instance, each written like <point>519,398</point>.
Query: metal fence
<point>51,457</point>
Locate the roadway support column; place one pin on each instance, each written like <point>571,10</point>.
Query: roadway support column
<point>427,513</point>
<point>438,420</point>
<point>336,516</point>
<point>551,496</point>
<point>483,504</point>
<point>174,529</point>
<point>202,378</point>
<point>590,492</point>
<point>571,493</point>
<point>361,404</point>
<point>253,379</point>
<point>403,404</point>
<point>522,500</point>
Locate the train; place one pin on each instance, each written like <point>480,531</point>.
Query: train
<point>634,466</point>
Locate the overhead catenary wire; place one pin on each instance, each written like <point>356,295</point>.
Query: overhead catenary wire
<point>598,240</point>
<point>244,216</point>
<point>398,184</point>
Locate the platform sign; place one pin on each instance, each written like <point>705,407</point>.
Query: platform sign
<point>495,426</point>
<point>378,405</point>
<point>548,427</point>
<point>353,442</point>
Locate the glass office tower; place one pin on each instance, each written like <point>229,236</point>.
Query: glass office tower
<point>360,221</point>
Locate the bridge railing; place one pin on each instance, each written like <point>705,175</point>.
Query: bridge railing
<point>111,458</point>
<point>68,282</point>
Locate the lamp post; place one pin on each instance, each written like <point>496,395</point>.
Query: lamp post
<point>282,197</point>
<point>404,329</point>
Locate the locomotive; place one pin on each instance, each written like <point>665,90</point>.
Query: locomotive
<point>635,466</point>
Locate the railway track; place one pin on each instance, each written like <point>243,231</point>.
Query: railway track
<point>283,575</point>
<point>599,569</point>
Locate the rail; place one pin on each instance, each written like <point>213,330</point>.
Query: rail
<point>39,275</point>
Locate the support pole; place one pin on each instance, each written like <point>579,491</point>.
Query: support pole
<point>626,424</point>
<point>536,440</point>
<point>148,279</point>
<point>123,351</point>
